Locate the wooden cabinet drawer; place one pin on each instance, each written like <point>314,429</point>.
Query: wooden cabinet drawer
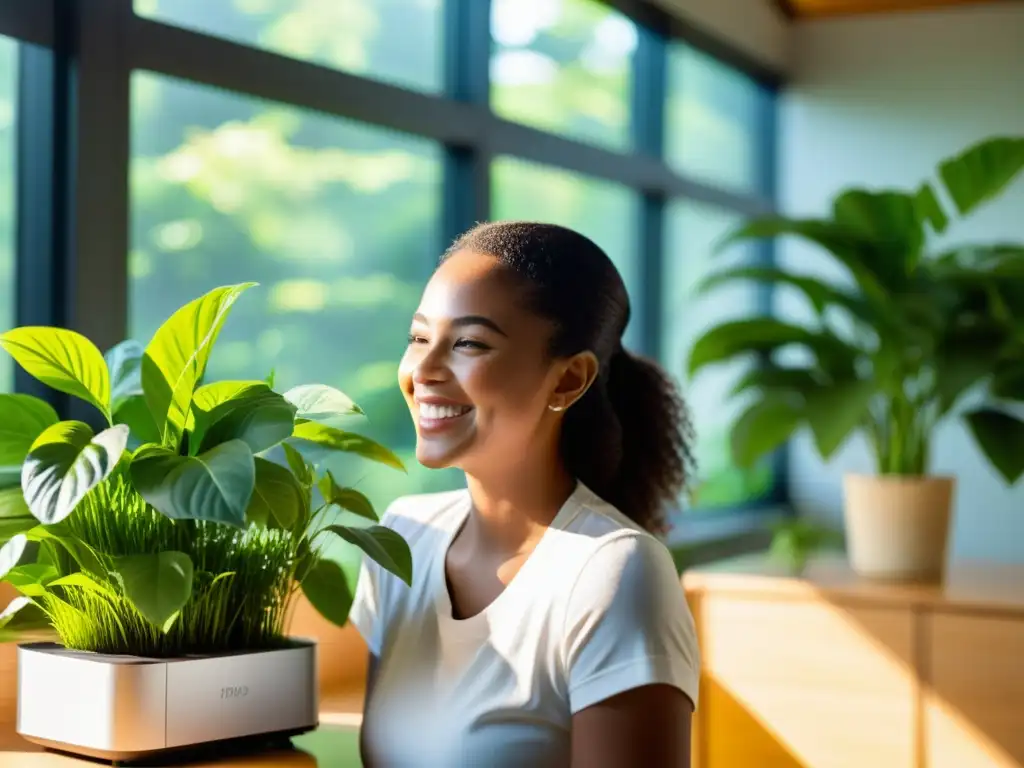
<point>974,705</point>
<point>806,684</point>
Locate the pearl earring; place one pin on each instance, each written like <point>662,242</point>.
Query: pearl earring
<point>557,408</point>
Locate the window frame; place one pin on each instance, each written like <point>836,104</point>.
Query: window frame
<point>76,61</point>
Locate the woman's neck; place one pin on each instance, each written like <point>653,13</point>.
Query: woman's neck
<point>514,507</point>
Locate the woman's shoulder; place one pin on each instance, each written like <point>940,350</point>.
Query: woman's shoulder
<point>601,524</point>
<point>610,543</point>
<point>425,510</point>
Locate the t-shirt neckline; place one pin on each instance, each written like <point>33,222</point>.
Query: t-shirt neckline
<point>479,622</point>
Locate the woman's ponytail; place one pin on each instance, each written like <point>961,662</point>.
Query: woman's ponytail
<point>628,439</point>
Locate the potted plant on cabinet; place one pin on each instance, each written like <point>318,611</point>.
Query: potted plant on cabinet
<point>889,351</point>
<point>165,551</point>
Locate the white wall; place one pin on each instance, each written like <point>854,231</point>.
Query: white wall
<point>755,27</point>
<point>879,101</point>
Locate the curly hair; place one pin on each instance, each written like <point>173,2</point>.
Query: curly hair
<point>629,438</point>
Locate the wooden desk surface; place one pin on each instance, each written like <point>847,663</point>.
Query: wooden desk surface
<point>969,586</point>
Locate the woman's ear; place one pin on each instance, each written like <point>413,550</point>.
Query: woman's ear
<point>578,373</point>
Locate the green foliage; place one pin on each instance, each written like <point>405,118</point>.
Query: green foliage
<point>64,360</point>
<point>320,440</point>
<point>157,584</point>
<point>64,463</point>
<point>893,348</point>
<point>382,544</point>
<point>175,359</point>
<point>795,540</point>
<point>22,420</point>
<point>175,531</point>
<point>316,402</point>
<point>216,485</point>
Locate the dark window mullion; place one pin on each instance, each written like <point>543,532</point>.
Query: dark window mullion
<point>467,60</point>
<point>647,108</point>
<point>41,178</point>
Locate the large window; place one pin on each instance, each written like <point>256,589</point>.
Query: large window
<point>330,150</point>
<point>8,82</point>
<point>398,41</point>
<point>563,66</point>
<point>715,122</point>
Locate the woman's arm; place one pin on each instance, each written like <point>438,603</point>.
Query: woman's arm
<point>371,677</point>
<point>648,726</point>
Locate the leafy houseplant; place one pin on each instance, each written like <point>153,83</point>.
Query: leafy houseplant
<point>890,351</point>
<point>189,524</point>
<point>794,541</point>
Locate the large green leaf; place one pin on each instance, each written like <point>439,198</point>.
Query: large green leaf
<point>962,362</point>
<point>773,377</point>
<point>381,544</point>
<point>260,419</point>
<point>983,171</point>
<point>846,247</point>
<point>21,617</point>
<point>12,503</point>
<point>929,209</point>
<point>889,221</point>
<point>317,402</point>
<point>1007,383</point>
<point>63,360</point>
<point>330,439</point>
<point>765,335</point>
<point>66,462</point>
<point>1000,435</point>
<point>22,420</point>
<point>327,589</point>
<point>32,579</point>
<point>277,498</point>
<point>300,468</point>
<point>12,524</point>
<point>346,498</point>
<point>176,358</point>
<point>821,295</point>
<point>88,559</point>
<point>158,584</point>
<point>763,427</point>
<point>134,413</point>
<point>216,485</point>
<point>735,337</point>
<point>208,397</point>
<point>11,554</point>
<point>835,411</point>
<point>124,363</point>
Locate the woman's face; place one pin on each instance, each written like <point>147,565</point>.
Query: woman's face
<point>477,376</point>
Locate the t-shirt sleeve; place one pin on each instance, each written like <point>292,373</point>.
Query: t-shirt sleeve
<point>628,624</point>
<point>368,613</point>
<point>365,611</point>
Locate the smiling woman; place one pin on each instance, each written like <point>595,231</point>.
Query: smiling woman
<point>546,623</point>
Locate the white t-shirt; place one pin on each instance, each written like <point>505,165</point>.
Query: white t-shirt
<point>596,609</point>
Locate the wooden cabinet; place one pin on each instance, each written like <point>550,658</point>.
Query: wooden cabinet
<point>826,670</point>
<point>974,704</point>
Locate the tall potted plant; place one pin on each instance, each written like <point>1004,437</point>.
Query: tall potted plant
<point>165,551</point>
<point>890,350</point>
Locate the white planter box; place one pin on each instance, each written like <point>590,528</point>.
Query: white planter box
<point>126,707</point>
